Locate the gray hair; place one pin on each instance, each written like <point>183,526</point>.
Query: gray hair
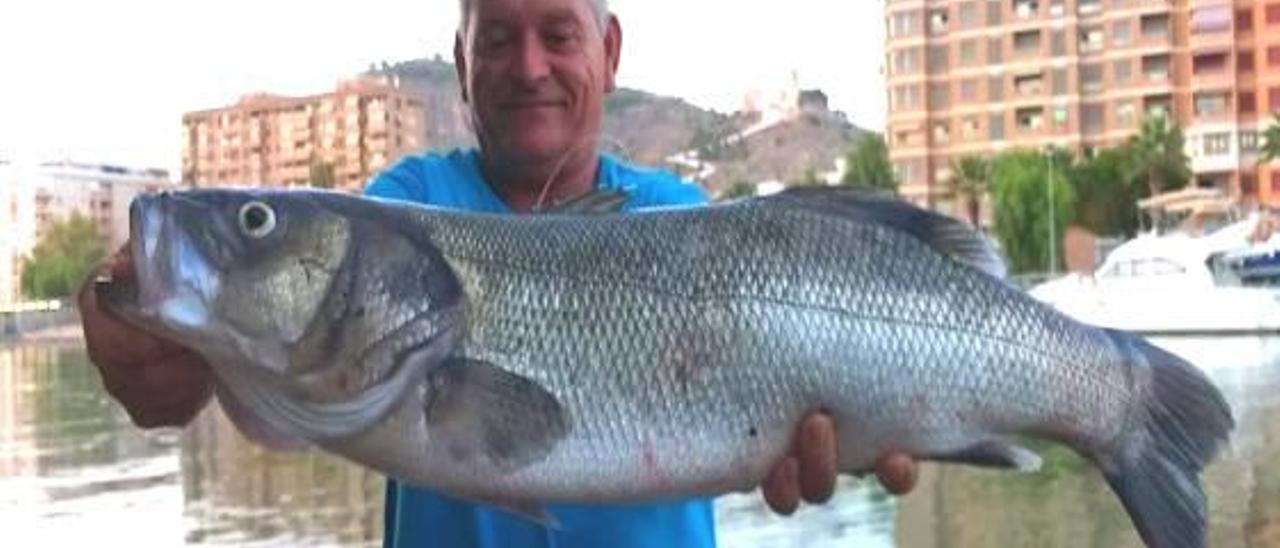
<point>601,7</point>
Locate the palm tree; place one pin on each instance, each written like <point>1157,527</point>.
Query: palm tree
<point>1270,150</point>
<point>970,181</point>
<point>1159,155</point>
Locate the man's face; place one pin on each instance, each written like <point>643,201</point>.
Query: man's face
<point>535,73</point>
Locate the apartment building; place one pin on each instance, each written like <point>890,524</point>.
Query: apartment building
<point>356,130</point>
<point>32,198</point>
<point>983,76</point>
<point>1234,48</point>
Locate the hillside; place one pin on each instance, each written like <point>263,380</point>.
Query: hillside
<point>650,129</point>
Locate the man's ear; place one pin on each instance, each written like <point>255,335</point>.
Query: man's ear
<point>460,64</point>
<point>612,52</point>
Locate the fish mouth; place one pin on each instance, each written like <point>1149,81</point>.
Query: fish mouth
<point>172,284</point>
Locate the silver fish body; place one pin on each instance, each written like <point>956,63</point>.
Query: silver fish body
<point>515,360</point>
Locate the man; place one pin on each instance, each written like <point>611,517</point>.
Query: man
<point>534,76</point>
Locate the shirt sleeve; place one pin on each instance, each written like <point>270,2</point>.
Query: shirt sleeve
<point>402,181</point>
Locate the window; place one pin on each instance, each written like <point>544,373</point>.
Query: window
<point>1209,64</point>
<point>941,133</point>
<point>1089,6</point>
<point>1061,116</point>
<point>995,51</point>
<point>969,127</point>
<point>969,90</point>
<point>1155,27</point>
<point>1275,182</point>
<point>1125,112</point>
<point>1156,67</point>
<point>994,13</point>
<point>1031,119</point>
<point>905,24</point>
<point>995,89</point>
<point>995,127</point>
<point>939,96</point>
<point>1248,102</point>
<point>1060,81</point>
<point>1273,56</point>
<point>938,59</point>
<point>1091,118</point>
<point>1210,104</point>
<point>938,22</point>
<point>1217,144</point>
<point>968,15</point>
<point>1248,184</point>
<point>1244,20</point>
<point>1025,9</point>
<point>1091,77</point>
<point>1091,39</point>
<point>1248,141</point>
<point>1273,98</point>
<point>1121,32</point>
<point>1273,14</point>
<point>1244,62</point>
<point>1029,85</point>
<point>968,53</point>
<point>1058,43</point>
<point>1211,19</point>
<point>1121,71</point>
<point>1026,42</point>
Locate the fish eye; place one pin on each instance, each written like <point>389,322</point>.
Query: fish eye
<point>257,219</point>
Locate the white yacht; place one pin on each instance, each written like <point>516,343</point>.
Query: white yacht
<point>1203,277</point>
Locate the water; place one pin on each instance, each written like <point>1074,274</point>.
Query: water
<point>74,471</point>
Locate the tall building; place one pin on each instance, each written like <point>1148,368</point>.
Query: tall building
<point>983,76</point>
<point>32,198</point>
<point>1235,51</point>
<point>358,129</point>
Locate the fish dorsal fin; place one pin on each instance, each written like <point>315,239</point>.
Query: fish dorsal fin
<point>944,234</point>
<point>598,201</point>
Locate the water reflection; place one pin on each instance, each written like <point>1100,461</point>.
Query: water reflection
<point>73,470</point>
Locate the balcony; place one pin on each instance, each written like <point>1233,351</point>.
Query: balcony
<point>1211,70</point>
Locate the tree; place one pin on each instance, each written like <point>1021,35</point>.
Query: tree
<point>1107,193</point>
<point>1270,150</point>
<point>322,174</point>
<point>1159,155</point>
<point>1022,199</point>
<point>868,165</point>
<point>970,181</point>
<point>63,258</point>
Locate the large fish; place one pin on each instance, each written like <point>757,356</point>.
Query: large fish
<point>581,355</point>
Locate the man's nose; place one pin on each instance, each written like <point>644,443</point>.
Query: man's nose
<point>532,64</point>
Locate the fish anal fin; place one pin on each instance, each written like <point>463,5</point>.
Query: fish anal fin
<point>994,454</point>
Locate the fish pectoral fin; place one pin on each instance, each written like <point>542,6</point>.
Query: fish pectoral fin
<point>994,454</point>
<point>597,201</point>
<point>478,408</point>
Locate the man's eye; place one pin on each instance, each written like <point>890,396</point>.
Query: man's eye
<point>494,40</point>
<point>558,39</point>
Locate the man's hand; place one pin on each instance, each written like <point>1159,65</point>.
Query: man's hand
<point>809,472</point>
<point>158,382</point>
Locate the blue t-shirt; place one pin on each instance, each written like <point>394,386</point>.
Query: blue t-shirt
<point>419,518</point>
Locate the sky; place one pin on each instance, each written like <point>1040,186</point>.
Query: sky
<point>108,80</point>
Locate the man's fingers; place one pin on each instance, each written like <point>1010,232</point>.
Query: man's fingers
<point>782,488</point>
<point>817,454</point>
<point>897,472</point>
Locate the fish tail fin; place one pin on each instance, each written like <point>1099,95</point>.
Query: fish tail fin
<point>1155,469</point>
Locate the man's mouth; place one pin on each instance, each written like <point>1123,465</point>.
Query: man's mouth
<point>532,105</point>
